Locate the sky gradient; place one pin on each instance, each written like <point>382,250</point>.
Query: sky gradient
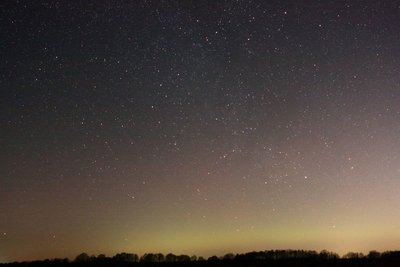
<point>198,127</point>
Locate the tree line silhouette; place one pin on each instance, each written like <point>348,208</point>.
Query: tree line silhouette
<point>260,258</point>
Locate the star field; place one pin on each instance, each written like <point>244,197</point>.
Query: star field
<point>198,127</point>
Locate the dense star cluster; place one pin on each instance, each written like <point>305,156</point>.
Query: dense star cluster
<point>198,127</point>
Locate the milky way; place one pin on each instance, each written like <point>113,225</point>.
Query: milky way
<point>198,127</point>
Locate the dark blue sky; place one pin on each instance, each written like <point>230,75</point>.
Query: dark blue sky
<point>198,127</point>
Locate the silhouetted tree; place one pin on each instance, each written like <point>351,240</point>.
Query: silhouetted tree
<point>213,258</point>
<point>353,255</point>
<point>83,257</point>
<point>101,257</point>
<point>373,254</point>
<point>158,257</point>
<point>229,256</point>
<point>170,257</point>
<point>391,255</point>
<point>147,257</point>
<point>271,258</point>
<point>152,257</point>
<point>327,255</point>
<point>183,258</point>
<point>126,257</point>
<point>57,261</point>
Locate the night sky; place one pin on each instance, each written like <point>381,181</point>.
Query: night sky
<point>198,127</point>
